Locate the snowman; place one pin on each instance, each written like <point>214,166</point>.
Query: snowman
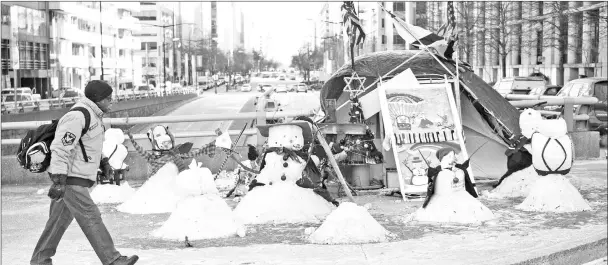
<point>451,197</point>
<point>552,158</point>
<point>280,193</point>
<point>202,213</point>
<point>113,151</point>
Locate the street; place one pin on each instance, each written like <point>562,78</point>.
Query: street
<point>233,101</point>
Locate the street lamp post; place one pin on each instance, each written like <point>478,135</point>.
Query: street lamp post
<point>164,52</point>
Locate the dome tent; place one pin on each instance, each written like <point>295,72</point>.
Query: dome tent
<point>488,118</point>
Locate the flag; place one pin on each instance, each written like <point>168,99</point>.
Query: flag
<point>418,36</point>
<point>447,29</point>
<point>353,28</point>
<point>352,22</point>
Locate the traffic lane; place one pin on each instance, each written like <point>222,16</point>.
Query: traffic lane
<point>290,101</point>
<point>209,103</point>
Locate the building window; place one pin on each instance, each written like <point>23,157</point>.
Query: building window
<point>121,53</point>
<point>77,49</point>
<point>151,46</point>
<point>399,6</point>
<point>398,40</point>
<point>6,15</point>
<point>92,51</point>
<point>6,55</point>
<point>383,23</point>
<point>383,39</point>
<point>146,18</point>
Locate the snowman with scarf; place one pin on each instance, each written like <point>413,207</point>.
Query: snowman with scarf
<point>281,193</point>
<point>552,158</point>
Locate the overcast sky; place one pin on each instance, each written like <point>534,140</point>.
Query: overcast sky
<point>286,23</point>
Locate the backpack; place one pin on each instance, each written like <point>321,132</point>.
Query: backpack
<point>34,151</point>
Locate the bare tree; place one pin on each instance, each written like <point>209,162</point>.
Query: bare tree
<point>467,17</point>
<point>562,27</point>
<point>501,32</point>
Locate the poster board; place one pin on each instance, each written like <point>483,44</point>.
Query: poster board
<point>419,119</point>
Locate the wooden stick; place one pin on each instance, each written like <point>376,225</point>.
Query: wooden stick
<point>334,164</point>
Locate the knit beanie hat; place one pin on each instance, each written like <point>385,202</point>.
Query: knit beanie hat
<point>443,152</point>
<point>97,90</point>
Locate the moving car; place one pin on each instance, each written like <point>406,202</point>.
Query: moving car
<point>301,87</point>
<point>281,89</point>
<point>246,88</point>
<point>264,87</point>
<point>518,85</point>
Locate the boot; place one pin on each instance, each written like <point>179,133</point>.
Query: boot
<point>124,260</point>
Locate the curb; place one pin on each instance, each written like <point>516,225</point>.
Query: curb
<point>583,254</point>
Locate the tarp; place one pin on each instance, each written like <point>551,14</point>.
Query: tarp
<point>488,118</point>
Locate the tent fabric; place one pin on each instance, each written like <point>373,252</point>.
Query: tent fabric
<point>500,116</point>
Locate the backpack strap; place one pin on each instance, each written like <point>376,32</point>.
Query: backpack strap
<point>87,123</point>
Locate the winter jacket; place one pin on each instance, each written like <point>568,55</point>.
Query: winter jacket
<point>66,153</point>
<point>158,159</point>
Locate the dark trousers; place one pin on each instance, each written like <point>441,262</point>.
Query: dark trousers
<point>76,204</point>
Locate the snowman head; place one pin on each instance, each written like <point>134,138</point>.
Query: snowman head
<point>161,138</point>
<point>553,128</point>
<point>529,122</point>
<point>116,154</point>
<point>294,135</point>
<point>114,135</point>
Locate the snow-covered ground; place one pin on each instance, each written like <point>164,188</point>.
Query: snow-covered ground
<point>515,235</point>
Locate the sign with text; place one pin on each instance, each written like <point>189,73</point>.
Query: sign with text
<point>419,119</point>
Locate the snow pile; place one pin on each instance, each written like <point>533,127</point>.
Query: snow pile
<point>196,181</point>
<point>199,217</point>
<point>110,193</point>
<point>349,224</point>
<point>157,195</point>
<point>554,193</point>
<point>516,185</point>
<point>282,202</point>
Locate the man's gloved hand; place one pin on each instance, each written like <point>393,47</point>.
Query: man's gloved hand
<point>57,189</point>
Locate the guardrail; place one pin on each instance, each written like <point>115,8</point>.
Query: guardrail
<point>577,118</point>
<point>171,119</point>
<point>43,104</point>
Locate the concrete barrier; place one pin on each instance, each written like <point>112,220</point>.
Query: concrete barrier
<point>134,108</point>
<point>586,145</point>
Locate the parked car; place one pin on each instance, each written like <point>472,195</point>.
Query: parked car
<point>589,87</point>
<point>301,87</point>
<point>282,77</point>
<point>547,90</point>
<point>10,100</point>
<point>518,85</point>
<point>19,90</point>
<point>246,88</point>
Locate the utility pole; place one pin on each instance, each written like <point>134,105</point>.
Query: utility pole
<point>100,34</point>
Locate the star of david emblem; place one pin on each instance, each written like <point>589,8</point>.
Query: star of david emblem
<point>355,88</point>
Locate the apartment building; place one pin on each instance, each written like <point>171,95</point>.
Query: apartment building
<point>93,41</point>
<point>25,46</point>
<point>157,32</point>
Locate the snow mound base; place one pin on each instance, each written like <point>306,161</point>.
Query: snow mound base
<point>457,208</point>
<point>516,185</point>
<point>282,203</point>
<point>554,193</point>
<point>196,181</point>
<point>110,193</point>
<point>157,195</point>
<point>349,224</point>
<point>199,217</point>
<point>225,180</point>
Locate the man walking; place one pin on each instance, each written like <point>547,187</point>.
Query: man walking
<point>73,174</point>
